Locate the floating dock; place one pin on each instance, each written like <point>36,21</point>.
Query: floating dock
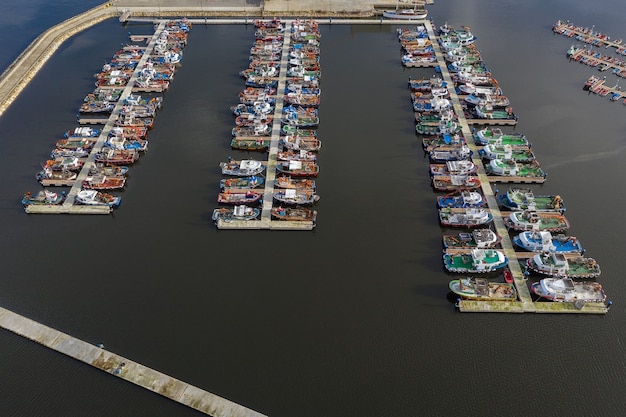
<point>266,222</point>
<point>525,303</point>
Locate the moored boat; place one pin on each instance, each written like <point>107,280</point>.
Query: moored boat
<point>298,214</point>
<point>475,261</point>
<point>462,167</point>
<point>535,220</point>
<point>296,196</point>
<point>253,181</point>
<point>558,265</point>
<point>300,143</point>
<point>246,167</point>
<point>97,198</point>
<point>511,168</point>
<point>236,197</point>
<point>495,136</point>
<point>104,182</point>
<point>285,181</point>
<point>251,143</point>
<point>482,289</point>
<point>440,155</point>
<point>525,199</point>
<point>518,153</point>
<point>455,182</point>
<point>43,197</point>
<point>416,13</point>
<point>477,239</point>
<point>565,290</point>
<point>536,241</point>
<point>298,168</point>
<point>241,212</point>
<point>464,217</point>
<point>117,157</point>
<point>462,199</point>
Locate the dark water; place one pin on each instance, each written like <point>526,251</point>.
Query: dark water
<point>349,320</point>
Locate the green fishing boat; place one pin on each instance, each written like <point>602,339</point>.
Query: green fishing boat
<point>511,168</point>
<point>475,261</point>
<point>495,136</point>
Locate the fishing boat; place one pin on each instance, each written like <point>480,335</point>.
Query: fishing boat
<point>455,182</point>
<point>243,168</point>
<point>117,157</point>
<point>558,265</point>
<point>253,181</point>
<point>464,217</point>
<point>297,214</point>
<point>241,212</point>
<point>121,143</point>
<point>566,290</point>
<point>82,132</point>
<point>440,155</point>
<point>462,199</point>
<point>252,119</point>
<point>43,197</point>
<point>250,143</point>
<point>487,111</point>
<point>463,167</point>
<point>70,163</point>
<point>129,132</point>
<point>511,168</point>
<point>97,198</point>
<point>483,290</point>
<point>477,239</point>
<point>285,181</point>
<point>255,110</point>
<point>290,155</point>
<point>300,143</point>
<point>417,12</point>
<point>236,197</point>
<point>109,170</point>
<point>297,131</point>
<point>104,182</point>
<point>433,142</point>
<point>300,119</point>
<point>298,168</point>
<point>537,221</point>
<point>514,153</point>
<point>69,153</point>
<point>251,131</point>
<point>475,261</point>
<point>495,136</point>
<point>537,241</point>
<point>525,199</point>
<point>48,177</point>
<point>75,143</point>
<point>296,196</point>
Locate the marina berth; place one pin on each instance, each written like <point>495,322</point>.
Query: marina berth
<point>481,289</point>
<point>296,196</point>
<point>527,220</point>
<point>43,197</point>
<point>253,181</point>
<point>495,136</point>
<point>240,212</point>
<point>97,198</point>
<point>478,239</point>
<point>566,290</point>
<point>519,153</point>
<point>236,197</point>
<point>525,199</point>
<point>297,214</point>
<point>455,182</point>
<point>556,264</point>
<point>537,241</point>
<point>464,217</point>
<point>462,199</point>
<point>475,261</point>
<point>243,168</point>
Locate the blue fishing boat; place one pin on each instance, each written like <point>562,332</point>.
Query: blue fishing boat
<point>536,241</point>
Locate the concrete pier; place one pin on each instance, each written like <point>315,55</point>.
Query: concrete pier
<point>124,368</point>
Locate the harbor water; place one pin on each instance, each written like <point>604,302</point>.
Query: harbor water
<point>352,319</point>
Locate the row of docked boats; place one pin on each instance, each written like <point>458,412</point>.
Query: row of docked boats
<point>258,125</point>
<point>101,158</point>
<point>536,223</point>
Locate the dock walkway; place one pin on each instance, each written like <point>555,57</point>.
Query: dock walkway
<point>124,368</point>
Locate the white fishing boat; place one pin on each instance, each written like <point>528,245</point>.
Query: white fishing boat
<point>417,12</point>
